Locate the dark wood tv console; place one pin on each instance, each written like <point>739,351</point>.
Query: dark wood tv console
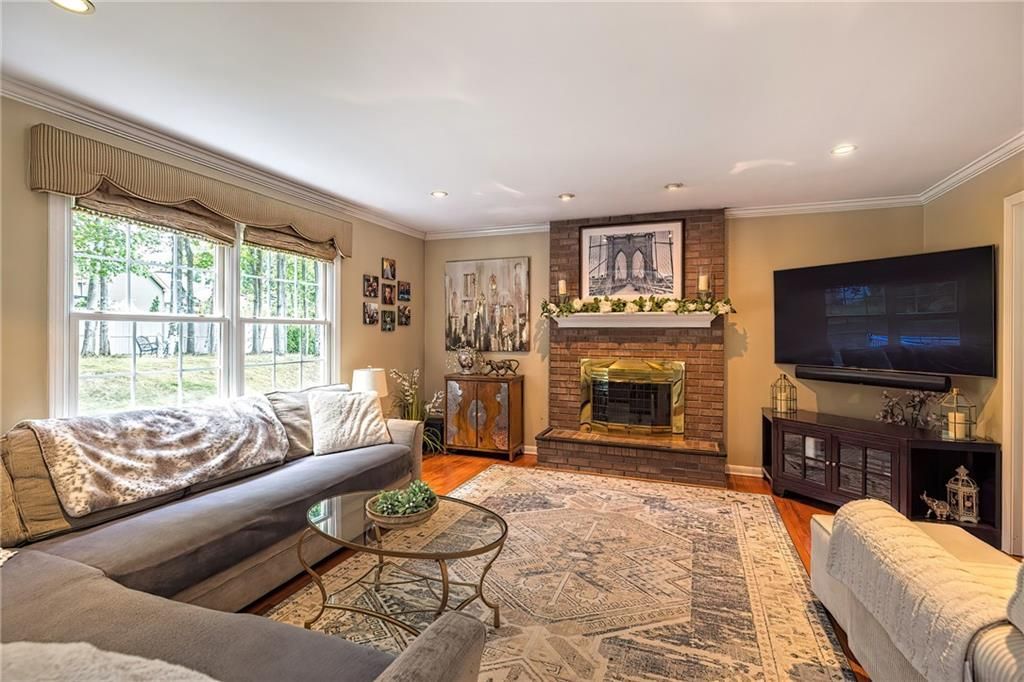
<point>837,459</point>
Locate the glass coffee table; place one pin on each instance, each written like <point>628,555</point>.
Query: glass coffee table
<point>464,530</point>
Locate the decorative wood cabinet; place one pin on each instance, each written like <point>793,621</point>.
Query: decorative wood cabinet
<point>836,467</point>
<point>484,414</point>
<point>838,459</point>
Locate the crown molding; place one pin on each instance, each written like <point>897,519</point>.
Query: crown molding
<point>958,177</point>
<point>981,164</point>
<point>488,231</point>
<point>80,112</point>
<point>47,100</point>
<point>898,201</point>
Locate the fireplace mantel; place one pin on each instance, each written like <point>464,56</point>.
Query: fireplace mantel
<point>635,320</point>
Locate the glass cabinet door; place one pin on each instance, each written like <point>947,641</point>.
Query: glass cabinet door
<point>814,459</point>
<point>850,479</point>
<point>805,457</point>
<point>878,481</point>
<point>864,469</point>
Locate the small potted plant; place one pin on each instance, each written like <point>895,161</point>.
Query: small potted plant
<point>404,508</point>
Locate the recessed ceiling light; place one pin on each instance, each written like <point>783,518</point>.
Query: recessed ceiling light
<point>844,149</point>
<point>76,6</point>
<point>673,186</point>
<point>439,194</point>
<point>566,196</point>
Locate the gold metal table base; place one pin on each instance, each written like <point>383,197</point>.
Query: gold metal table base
<point>377,570</point>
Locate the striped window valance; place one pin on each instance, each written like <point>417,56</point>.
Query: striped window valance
<point>114,180</point>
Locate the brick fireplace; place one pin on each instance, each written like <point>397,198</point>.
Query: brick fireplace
<point>695,456</point>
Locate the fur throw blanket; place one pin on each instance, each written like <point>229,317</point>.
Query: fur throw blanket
<point>929,603</point>
<point>83,662</point>
<point>115,459</point>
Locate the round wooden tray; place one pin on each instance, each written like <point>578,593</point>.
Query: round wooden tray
<point>393,522</point>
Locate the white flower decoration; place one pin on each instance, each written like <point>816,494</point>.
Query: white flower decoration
<point>670,307</point>
<point>648,306</point>
<point>604,306</point>
<point>632,308</point>
<point>552,308</point>
<point>691,306</point>
<point>707,306</point>
<point>577,304</point>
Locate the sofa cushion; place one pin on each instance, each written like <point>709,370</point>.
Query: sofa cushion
<point>346,421</point>
<point>12,530</point>
<point>292,408</point>
<point>50,599</point>
<point>170,548</point>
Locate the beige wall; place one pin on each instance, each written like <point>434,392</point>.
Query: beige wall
<point>755,248</point>
<point>972,215</point>
<point>533,365</point>
<point>23,274</point>
<point>967,215</point>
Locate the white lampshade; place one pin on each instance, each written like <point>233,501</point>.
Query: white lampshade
<point>370,379</point>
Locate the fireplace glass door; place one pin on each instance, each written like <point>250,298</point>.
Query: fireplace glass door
<point>631,396</point>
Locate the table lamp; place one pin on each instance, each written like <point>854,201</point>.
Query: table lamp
<point>370,379</point>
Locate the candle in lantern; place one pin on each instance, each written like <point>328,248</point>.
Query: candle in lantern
<point>702,283</point>
<point>561,287</point>
<point>957,425</point>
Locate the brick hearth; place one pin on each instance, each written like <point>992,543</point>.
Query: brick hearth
<point>702,459</point>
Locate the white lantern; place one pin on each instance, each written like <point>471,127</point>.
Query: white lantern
<point>962,495</point>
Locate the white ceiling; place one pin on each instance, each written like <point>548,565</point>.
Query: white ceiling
<point>505,106</point>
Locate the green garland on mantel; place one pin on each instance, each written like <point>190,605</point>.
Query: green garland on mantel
<point>652,304</point>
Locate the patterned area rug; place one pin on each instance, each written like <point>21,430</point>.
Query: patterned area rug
<point>606,578</point>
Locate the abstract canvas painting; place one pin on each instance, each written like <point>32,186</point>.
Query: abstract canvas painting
<point>630,261</point>
<point>488,304</point>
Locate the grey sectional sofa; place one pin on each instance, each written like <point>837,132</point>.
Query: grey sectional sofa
<point>138,583</point>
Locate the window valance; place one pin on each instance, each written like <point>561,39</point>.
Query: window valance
<point>117,181</point>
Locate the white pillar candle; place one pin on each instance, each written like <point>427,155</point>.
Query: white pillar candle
<point>957,425</point>
<point>561,287</point>
<point>702,283</point>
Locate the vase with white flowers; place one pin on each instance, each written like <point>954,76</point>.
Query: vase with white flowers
<point>409,405</point>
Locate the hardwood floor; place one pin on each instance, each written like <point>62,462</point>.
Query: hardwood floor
<point>446,472</point>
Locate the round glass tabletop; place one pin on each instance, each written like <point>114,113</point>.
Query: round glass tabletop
<point>457,529</point>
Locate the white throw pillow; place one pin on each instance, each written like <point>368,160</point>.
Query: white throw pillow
<point>346,421</point>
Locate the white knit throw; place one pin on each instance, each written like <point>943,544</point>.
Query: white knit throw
<point>928,602</point>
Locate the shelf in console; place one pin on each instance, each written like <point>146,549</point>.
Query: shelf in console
<point>635,320</point>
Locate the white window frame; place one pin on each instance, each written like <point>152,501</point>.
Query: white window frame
<point>63,320</point>
<point>327,305</point>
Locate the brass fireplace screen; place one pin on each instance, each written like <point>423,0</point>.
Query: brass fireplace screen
<point>631,396</point>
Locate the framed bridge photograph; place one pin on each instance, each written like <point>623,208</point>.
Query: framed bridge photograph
<point>630,261</point>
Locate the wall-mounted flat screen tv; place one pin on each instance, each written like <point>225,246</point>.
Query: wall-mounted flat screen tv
<point>934,312</point>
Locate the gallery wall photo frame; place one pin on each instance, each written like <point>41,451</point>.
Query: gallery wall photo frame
<point>487,304</point>
<point>371,286</point>
<point>630,261</point>
<point>371,313</point>
<point>404,291</point>
<point>388,269</point>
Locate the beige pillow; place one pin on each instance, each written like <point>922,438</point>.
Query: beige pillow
<point>346,421</point>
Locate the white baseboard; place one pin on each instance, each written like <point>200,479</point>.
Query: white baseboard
<point>740,470</point>
<point>530,449</point>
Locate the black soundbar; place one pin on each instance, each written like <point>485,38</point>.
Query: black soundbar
<point>876,377</point>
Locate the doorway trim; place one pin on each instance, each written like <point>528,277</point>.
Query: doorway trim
<point>1012,371</point>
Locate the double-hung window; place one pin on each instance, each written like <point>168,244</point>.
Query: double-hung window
<point>284,319</point>
<point>146,316</point>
